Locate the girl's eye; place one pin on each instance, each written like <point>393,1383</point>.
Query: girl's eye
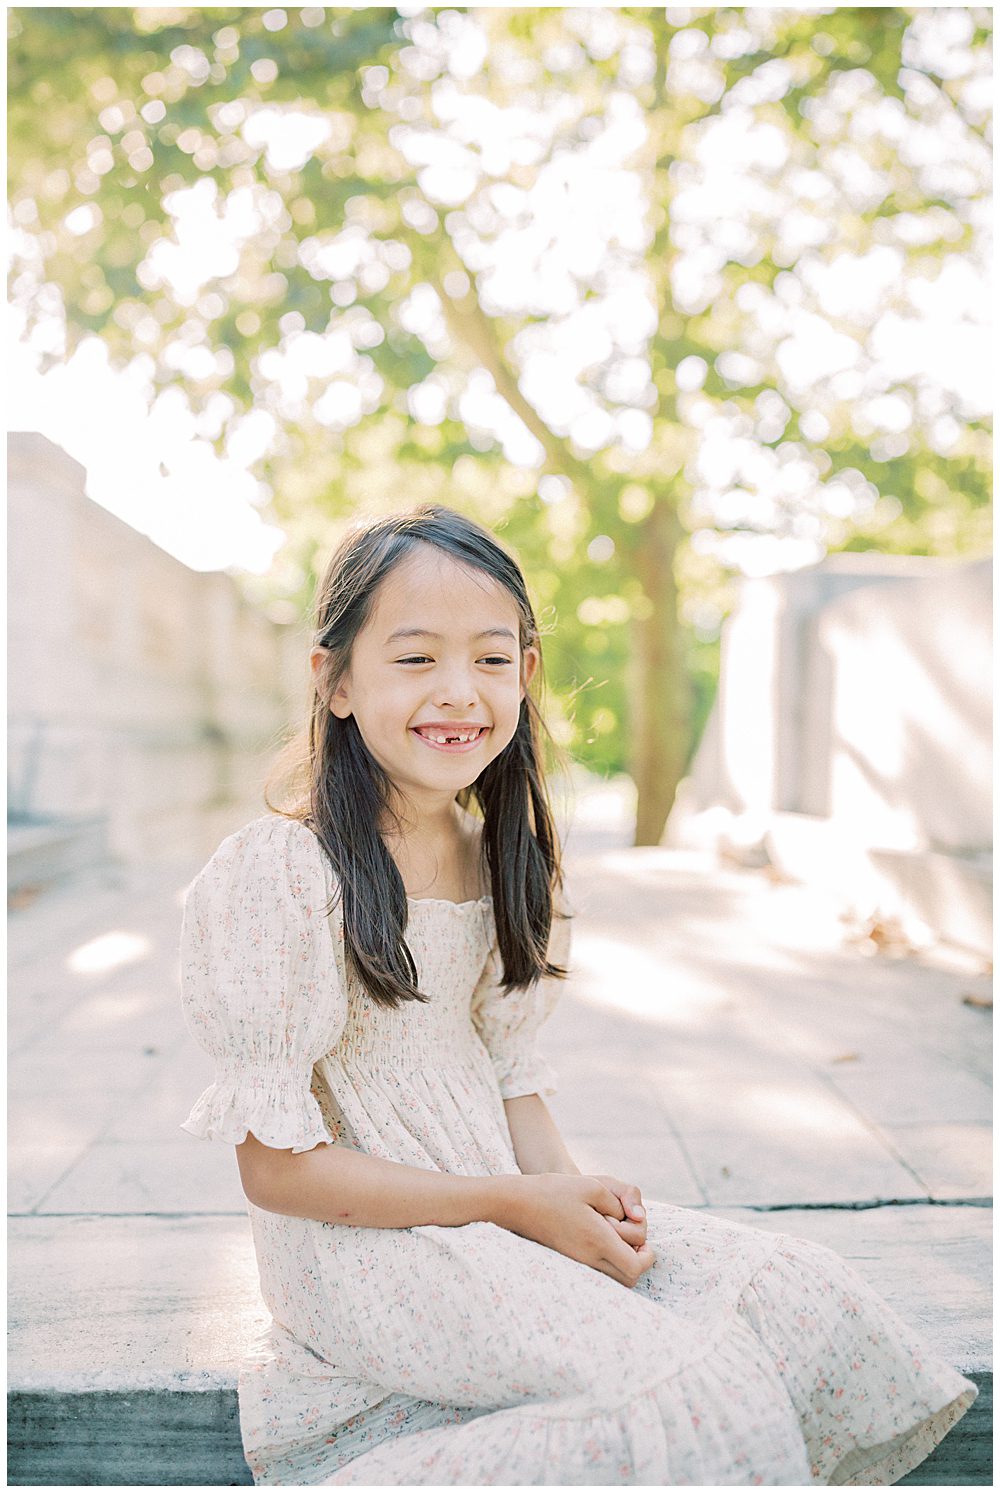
<point>422,658</point>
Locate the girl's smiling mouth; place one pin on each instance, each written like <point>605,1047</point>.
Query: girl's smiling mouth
<point>450,739</point>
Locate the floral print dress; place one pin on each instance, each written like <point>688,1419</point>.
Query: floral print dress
<point>470,1355</point>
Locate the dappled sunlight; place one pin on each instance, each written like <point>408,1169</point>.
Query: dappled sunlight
<point>109,1010</point>
<point>108,952</point>
<point>616,975</point>
<point>805,920</point>
<point>768,1105</point>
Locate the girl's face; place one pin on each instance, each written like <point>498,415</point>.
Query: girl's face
<point>461,669</point>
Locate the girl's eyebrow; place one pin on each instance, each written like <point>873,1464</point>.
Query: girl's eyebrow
<point>422,632</point>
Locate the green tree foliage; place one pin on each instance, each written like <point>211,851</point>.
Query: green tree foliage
<point>360,308</point>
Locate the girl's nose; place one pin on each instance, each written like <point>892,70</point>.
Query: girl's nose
<point>455,699</point>
<point>456,692</point>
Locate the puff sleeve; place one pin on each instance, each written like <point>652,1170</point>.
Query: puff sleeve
<point>508,1023</point>
<point>261,990</point>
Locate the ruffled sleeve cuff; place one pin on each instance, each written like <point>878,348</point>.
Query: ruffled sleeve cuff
<point>527,1074</point>
<point>276,1104</point>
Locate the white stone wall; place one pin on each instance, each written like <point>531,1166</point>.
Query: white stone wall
<point>138,689</point>
<point>909,740</point>
<point>851,735</point>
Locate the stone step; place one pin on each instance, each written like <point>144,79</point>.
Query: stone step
<point>136,1438</point>
<point>952,893</point>
<point>191,1438</point>
<point>126,1335</point>
<point>948,892</point>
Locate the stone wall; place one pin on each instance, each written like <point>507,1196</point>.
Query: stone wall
<point>850,739</point>
<point>141,693</point>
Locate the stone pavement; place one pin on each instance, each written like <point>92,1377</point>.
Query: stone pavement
<point>723,1044</point>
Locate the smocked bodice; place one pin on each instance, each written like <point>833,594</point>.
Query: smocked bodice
<point>449,942</point>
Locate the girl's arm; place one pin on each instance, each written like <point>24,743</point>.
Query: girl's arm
<point>336,1185</point>
<point>570,1214</point>
<point>538,1145</point>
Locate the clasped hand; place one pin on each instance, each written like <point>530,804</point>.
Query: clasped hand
<point>598,1220</point>
<point>632,1226</point>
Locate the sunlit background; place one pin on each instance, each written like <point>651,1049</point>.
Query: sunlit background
<point>690,305</point>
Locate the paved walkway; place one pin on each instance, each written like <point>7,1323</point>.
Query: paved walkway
<point>723,1044</point>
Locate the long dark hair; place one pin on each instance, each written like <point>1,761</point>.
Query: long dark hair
<point>344,795</point>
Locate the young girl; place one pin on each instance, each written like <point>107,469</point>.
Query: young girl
<point>452,1301</point>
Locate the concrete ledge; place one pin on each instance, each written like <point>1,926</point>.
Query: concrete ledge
<point>190,1439</point>
<point>126,1335</point>
<point>165,1437</point>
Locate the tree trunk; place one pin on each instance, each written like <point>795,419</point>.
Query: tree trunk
<point>660,694</point>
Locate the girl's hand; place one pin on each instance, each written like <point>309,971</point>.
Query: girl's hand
<point>578,1216</point>
<point>631,1228</point>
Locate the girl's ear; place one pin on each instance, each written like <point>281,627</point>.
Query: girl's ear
<point>337,701</point>
<point>339,704</point>
<point>530,658</point>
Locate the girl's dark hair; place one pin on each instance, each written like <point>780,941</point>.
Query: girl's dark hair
<point>343,795</point>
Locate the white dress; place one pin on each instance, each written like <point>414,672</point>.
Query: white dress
<point>471,1355</point>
